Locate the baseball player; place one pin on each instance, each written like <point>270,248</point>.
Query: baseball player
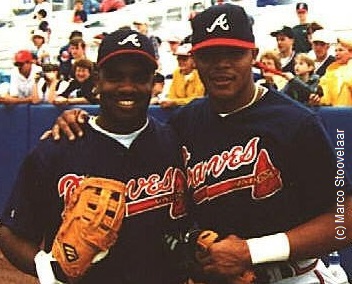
<point>265,182</point>
<point>122,145</point>
<point>260,166</point>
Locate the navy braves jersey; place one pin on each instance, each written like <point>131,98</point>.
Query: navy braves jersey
<point>262,170</point>
<point>152,170</point>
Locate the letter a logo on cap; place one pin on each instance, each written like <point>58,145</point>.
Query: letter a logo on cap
<point>133,38</point>
<point>220,21</point>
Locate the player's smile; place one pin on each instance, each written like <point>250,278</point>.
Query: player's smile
<point>222,80</point>
<point>125,97</point>
<point>127,103</point>
<point>125,88</point>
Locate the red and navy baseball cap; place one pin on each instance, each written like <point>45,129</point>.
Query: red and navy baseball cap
<point>126,41</point>
<point>222,25</point>
<point>301,7</point>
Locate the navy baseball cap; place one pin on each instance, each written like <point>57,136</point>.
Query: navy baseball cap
<point>126,41</point>
<point>286,31</point>
<point>222,25</point>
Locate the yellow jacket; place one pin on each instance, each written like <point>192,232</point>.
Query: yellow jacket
<point>337,85</point>
<point>185,88</point>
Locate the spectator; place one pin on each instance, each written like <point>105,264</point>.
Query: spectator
<point>301,31</point>
<point>168,61</point>
<point>271,60</point>
<point>321,41</point>
<point>64,54</point>
<point>186,84</point>
<point>141,24</point>
<point>22,79</point>
<point>43,23</point>
<point>77,51</point>
<point>81,89</point>
<point>337,81</point>
<point>48,84</point>
<point>111,5</point>
<point>304,83</point>
<point>79,14</point>
<point>42,5</point>
<point>158,88</point>
<point>41,48</point>
<point>285,41</point>
<point>174,42</point>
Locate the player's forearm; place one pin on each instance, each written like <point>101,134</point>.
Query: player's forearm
<point>319,236</point>
<point>312,239</point>
<point>18,251</point>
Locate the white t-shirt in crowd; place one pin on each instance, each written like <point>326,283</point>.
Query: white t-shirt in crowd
<point>21,86</point>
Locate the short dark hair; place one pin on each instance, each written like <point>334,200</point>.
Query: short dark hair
<point>75,33</point>
<point>77,41</point>
<point>43,13</point>
<point>158,78</point>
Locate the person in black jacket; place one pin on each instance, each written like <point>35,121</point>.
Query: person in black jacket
<point>81,89</point>
<point>285,44</point>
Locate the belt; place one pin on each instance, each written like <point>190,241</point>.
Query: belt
<point>271,273</point>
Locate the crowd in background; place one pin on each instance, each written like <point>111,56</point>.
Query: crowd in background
<point>309,64</point>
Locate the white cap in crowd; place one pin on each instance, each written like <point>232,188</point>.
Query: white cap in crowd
<point>323,36</point>
<point>39,33</point>
<point>184,49</point>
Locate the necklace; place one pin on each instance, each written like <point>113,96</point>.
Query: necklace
<point>253,100</point>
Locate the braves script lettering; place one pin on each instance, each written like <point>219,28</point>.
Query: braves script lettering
<point>221,22</point>
<point>67,185</point>
<point>161,192</point>
<point>143,194</point>
<point>217,164</point>
<point>131,38</point>
<point>265,180</point>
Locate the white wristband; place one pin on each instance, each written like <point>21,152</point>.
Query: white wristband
<point>269,248</point>
<point>44,271</point>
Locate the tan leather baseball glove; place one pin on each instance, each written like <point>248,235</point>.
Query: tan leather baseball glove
<point>91,221</point>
